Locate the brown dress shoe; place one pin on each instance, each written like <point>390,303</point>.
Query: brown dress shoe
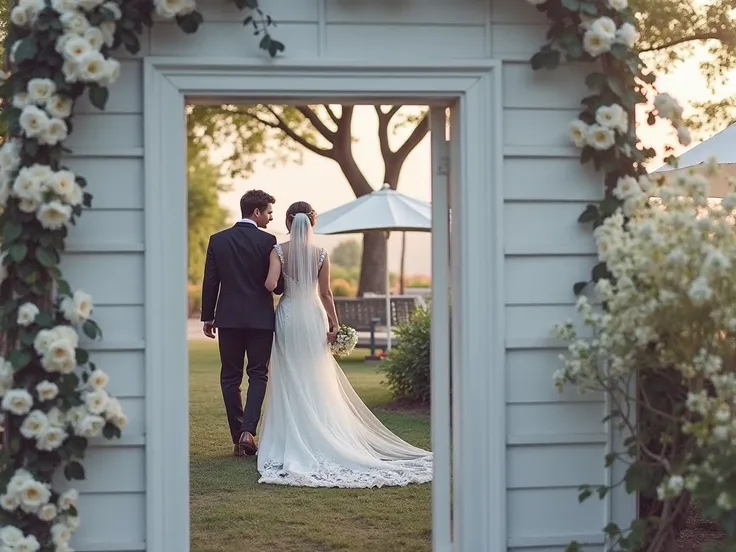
<point>247,445</point>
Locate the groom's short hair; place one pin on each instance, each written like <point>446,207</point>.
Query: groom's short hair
<point>254,199</point>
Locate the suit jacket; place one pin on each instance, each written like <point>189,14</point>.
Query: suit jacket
<point>233,291</point>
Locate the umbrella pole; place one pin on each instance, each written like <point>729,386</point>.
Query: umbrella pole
<point>388,299</point>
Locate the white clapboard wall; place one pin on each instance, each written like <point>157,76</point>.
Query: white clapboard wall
<point>554,441</point>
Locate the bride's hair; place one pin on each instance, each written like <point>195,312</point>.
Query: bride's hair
<point>300,207</point>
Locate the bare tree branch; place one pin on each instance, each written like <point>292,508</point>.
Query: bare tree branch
<point>281,125</point>
<point>326,133</point>
<point>708,35</point>
<point>419,132</point>
<point>332,114</point>
<point>383,120</point>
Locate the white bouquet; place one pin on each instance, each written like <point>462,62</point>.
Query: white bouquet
<point>345,341</point>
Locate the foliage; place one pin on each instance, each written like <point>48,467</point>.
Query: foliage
<point>658,344</point>
<point>346,254</point>
<point>53,397</point>
<point>407,366</point>
<point>343,288</point>
<point>204,212</point>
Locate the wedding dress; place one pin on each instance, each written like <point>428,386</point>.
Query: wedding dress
<point>316,431</point>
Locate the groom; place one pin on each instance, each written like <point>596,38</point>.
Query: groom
<point>236,304</point>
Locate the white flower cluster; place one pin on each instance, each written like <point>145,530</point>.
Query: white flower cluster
<point>30,496</point>
<point>169,9</point>
<point>89,419</point>
<point>671,303</point>
<point>50,194</point>
<point>57,348</point>
<point>668,108</point>
<point>602,34</point>
<point>601,135</point>
<point>345,342</point>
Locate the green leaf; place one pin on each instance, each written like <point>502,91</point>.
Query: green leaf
<point>74,470</point>
<point>190,22</point>
<point>18,251</point>
<point>111,432</point>
<point>612,530</point>
<point>637,478</point>
<point>574,546</point>
<point>589,215</point>
<point>82,356</point>
<point>11,231</point>
<point>63,287</point>
<point>584,493</point>
<point>47,257</point>
<point>599,272</point>
<point>275,47</point>
<point>602,492</point>
<point>98,96</point>
<point>579,287</point>
<point>572,5</point>
<point>27,49</point>
<point>91,329</point>
<point>19,359</point>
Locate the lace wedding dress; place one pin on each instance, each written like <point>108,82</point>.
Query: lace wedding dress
<point>316,431</point>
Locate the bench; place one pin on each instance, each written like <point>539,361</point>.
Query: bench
<point>367,314</point>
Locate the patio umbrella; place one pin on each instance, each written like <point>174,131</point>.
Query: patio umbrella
<point>384,209</point>
<point>722,146</point>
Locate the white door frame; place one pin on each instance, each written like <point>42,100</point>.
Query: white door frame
<point>476,275</point>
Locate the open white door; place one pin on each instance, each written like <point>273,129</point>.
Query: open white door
<point>440,334</point>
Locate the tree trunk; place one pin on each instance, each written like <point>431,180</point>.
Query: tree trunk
<point>373,264</point>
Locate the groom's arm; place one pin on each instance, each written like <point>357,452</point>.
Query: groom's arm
<point>210,285</point>
<point>279,289</point>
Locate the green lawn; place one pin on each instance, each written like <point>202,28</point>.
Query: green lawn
<point>232,512</point>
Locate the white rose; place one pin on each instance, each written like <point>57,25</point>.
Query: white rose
<point>63,183</point>
<point>90,426</point>
<point>28,186</point>
<point>4,190</point>
<point>112,72</point>
<point>10,156</point>
<point>67,333</point>
<point>169,9</point>
<point>34,424</point>
<point>618,5</point>
<point>76,196</point>
<point>75,48</point>
<point>627,35</point>
<point>601,138</point>
<point>55,132</point>
<point>60,357</point>
<point>93,67</point>
<point>41,173</point>
<point>20,16</point>
<point>47,390</point>
<point>604,26</point>
<point>89,5</point>
<point>43,341</point>
<point>59,106</point>
<point>21,100</point>
<point>28,544</point>
<point>6,375</point>
<point>27,313</point>
<point>120,420</point>
<point>108,32</point>
<point>68,499</point>
<point>33,121</point>
<point>47,512</point>
<point>96,401</point>
<point>51,439</point>
<point>40,90</point>
<point>17,401</point>
<point>595,43</point>
<point>64,6</point>
<point>113,8</point>
<point>60,534</point>
<point>98,380</point>
<point>56,417</point>
<point>28,205</point>
<point>54,215</point>
<point>10,536</point>
<point>612,116</point>
<point>9,502</point>
<point>578,132</point>
<point>72,522</point>
<point>33,494</point>
<point>19,478</point>
<point>74,22</point>
<point>95,38</point>
<point>77,309</point>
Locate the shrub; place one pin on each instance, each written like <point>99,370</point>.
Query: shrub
<point>343,288</point>
<point>194,301</point>
<point>407,366</point>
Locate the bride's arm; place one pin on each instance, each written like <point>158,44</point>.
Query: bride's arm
<point>325,294</point>
<point>274,271</point>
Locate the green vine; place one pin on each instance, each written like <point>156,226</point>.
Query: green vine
<point>603,33</point>
<point>54,398</point>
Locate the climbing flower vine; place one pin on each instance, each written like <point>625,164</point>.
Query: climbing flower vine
<point>658,312</point>
<point>53,399</point>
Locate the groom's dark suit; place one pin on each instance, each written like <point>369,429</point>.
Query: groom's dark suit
<point>234,296</point>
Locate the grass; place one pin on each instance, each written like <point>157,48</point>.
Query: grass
<point>230,511</point>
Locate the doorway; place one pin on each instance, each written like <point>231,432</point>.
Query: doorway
<point>469,515</point>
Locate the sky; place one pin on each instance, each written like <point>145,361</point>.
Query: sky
<point>320,182</point>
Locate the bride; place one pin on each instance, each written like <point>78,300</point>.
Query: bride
<point>316,431</point>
